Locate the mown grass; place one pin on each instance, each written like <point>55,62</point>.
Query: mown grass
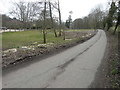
<point>26,38</point>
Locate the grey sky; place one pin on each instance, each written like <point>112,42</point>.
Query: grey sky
<point>80,8</point>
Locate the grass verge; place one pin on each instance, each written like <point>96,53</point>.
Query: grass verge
<point>26,38</point>
<point>113,60</point>
<point>29,44</point>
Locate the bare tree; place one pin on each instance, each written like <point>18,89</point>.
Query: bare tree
<point>57,7</point>
<point>25,11</point>
<point>118,18</point>
<point>52,19</point>
<point>96,18</point>
<point>44,33</point>
<point>60,22</point>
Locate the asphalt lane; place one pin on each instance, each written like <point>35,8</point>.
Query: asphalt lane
<point>74,68</point>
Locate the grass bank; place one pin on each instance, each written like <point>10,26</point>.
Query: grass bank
<point>26,38</point>
<point>21,46</point>
<point>114,60</point>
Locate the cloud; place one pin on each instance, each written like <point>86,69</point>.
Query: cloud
<point>80,8</point>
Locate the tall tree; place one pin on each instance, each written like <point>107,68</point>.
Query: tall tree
<point>60,21</point>
<point>110,18</point>
<point>67,24</point>
<point>52,19</point>
<point>44,23</point>
<point>56,5</point>
<point>77,23</point>
<point>25,11</point>
<point>69,21</point>
<point>96,18</point>
<point>118,18</point>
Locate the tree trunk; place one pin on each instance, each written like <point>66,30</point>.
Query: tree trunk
<point>59,18</point>
<point>44,34</point>
<point>103,26</point>
<point>108,28</point>
<point>63,35</point>
<point>52,20</point>
<point>118,20</point>
<point>115,28</point>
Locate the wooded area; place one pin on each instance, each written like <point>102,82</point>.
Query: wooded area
<point>41,15</point>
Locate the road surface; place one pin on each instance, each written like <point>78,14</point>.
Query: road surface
<point>74,68</point>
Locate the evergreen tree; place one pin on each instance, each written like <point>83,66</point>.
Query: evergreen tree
<point>118,18</point>
<point>109,20</point>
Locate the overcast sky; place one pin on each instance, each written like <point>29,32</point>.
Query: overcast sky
<point>80,8</point>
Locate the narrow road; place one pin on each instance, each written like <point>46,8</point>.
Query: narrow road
<point>74,68</point>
